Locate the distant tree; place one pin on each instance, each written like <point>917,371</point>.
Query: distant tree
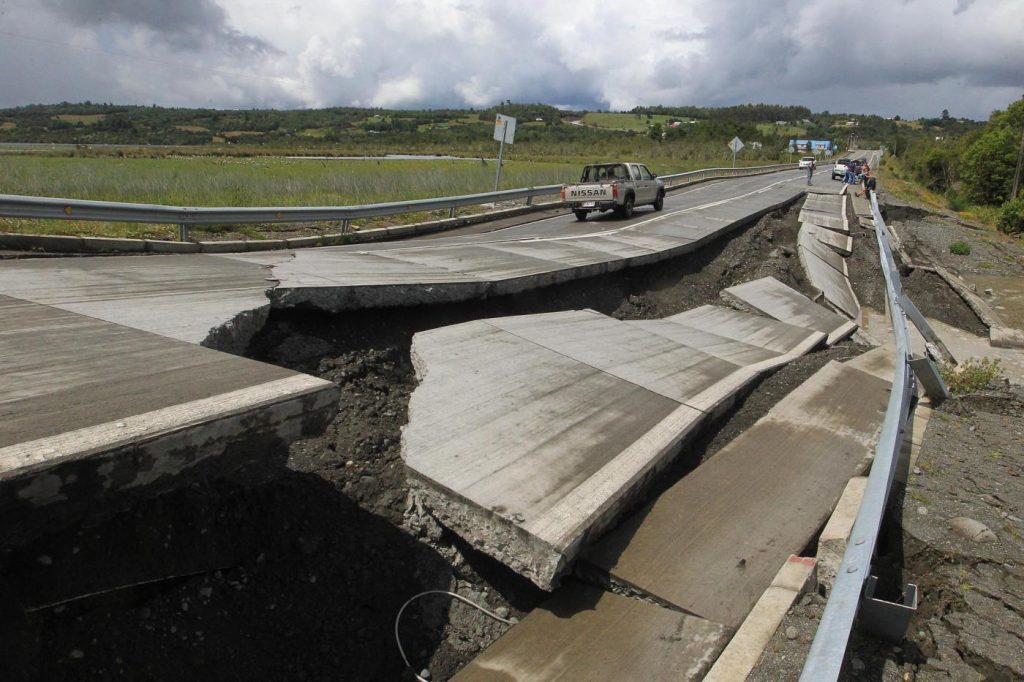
<point>988,165</point>
<point>945,114</point>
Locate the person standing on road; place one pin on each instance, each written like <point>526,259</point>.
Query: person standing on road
<point>810,171</point>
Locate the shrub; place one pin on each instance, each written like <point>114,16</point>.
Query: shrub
<point>970,376</point>
<point>956,201</point>
<point>1011,216</point>
<point>960,248</point>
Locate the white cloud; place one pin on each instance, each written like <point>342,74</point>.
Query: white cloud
<point>908,57</point>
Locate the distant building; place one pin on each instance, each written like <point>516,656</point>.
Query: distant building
<point>823,146</point>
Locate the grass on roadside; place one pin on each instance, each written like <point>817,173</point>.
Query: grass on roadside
<point>897,180</point>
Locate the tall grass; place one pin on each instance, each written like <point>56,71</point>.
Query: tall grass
<point>216,181</point>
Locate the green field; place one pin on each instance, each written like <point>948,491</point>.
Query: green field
<point>788,130</point>
<point>259,181</point>
<point>625,121</point>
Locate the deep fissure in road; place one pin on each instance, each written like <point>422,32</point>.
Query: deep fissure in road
<point>298,574</point>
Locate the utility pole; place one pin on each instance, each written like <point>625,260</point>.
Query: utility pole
<point>1020,161</point>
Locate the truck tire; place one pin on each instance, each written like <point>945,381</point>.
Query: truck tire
<point>659,203</point>
<point>626,210</point>
<point>580,215</point>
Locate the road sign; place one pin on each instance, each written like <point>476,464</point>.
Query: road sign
<point>735,144</point>
<point>504,129</point>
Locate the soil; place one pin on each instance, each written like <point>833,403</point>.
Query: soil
<point>298,574</point>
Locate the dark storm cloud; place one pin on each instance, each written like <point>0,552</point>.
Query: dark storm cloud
<point>183,24</point>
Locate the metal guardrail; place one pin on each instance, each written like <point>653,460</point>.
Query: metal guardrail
<point>17,206</point>
<point>853,592</point>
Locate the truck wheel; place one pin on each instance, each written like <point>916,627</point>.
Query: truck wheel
<point>659,203</point>
<point>626,210</point>
<point>580,215</point>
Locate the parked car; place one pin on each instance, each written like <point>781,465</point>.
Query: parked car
<point>614,187</point>
<point>806,161</point>
<point>839,170</point>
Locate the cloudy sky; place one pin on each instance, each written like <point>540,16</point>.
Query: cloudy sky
<point>908,57</point>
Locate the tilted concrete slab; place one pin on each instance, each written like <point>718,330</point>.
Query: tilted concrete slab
<point>90,408</point>
<point>840,243</point>
<point>711,544</point>
<point>773,298</point>
<point>824,203</point>
<point>582,633</point>
<point>757,330</point>
<point>827,271</point>
<point>832,221</point>
<point>528,434</point>
<point>213,301</point>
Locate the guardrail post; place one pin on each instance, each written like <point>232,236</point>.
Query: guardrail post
<point>182,232</point>
<point>529,200</point>
<point>451,212</point>
<point>344,226</point>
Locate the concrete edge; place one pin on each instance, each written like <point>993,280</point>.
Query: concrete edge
<point>980,308</point>
<point>100,470</point>
<point>797,576</point>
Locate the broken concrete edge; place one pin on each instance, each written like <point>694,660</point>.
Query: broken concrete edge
<point>234,335</point>
<point>796,577</point>
<point>344,297</point>
<point>548,560</point>
<point>78,244</point>
<point>51,482</point>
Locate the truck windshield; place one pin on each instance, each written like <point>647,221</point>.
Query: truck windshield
<point>605,173</point>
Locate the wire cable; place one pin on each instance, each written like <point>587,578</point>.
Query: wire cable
<point>398,618</point>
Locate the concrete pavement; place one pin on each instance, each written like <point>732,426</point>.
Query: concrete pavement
<point>90,408</point>
<point>585,409</point>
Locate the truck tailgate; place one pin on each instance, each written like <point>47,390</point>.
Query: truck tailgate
<point>589,192</point>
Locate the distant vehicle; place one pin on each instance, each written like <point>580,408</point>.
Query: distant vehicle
<point>806,161</point>
<point>615,187</point>
<point>839,170</point>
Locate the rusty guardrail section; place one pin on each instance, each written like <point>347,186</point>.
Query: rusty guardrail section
<point>17,206</point>
<point>853,593</point>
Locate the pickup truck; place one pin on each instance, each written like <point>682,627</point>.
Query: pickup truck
<point>839,170</point>
<point>615,187</point>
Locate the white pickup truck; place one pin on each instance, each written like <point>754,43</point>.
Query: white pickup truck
<point>615,187</point>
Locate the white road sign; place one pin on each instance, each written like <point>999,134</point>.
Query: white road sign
<point>504,129</point>
<point>735,144</point>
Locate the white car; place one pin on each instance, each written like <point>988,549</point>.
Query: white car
<point>806,161</point>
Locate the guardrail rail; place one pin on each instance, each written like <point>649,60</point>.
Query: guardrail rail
<point>853,592</point>
<point>18,206</point>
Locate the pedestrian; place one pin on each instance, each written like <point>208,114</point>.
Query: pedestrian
<point>848,178</point>
<point>810,171</point>
<point>869,185</point>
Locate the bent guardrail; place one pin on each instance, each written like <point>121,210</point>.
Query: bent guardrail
<point>853,591</point>
<point>18,206</point>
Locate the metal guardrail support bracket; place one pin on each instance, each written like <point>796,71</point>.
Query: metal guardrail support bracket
<point>182,232</point>
<point>451,212</point>
<point>887,619</point>
<point>928,374</point>
<point>345,228</point>
<point>922,325</point>
<point>529,200</point>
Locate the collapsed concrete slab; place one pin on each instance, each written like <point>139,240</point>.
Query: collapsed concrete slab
<point>711,544</point>
<point>527,435</point>
<point>771,297</point>
<point>91,409</point>
<point>582,633</point>
<point>830,220</point>
<point>827,270</point>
